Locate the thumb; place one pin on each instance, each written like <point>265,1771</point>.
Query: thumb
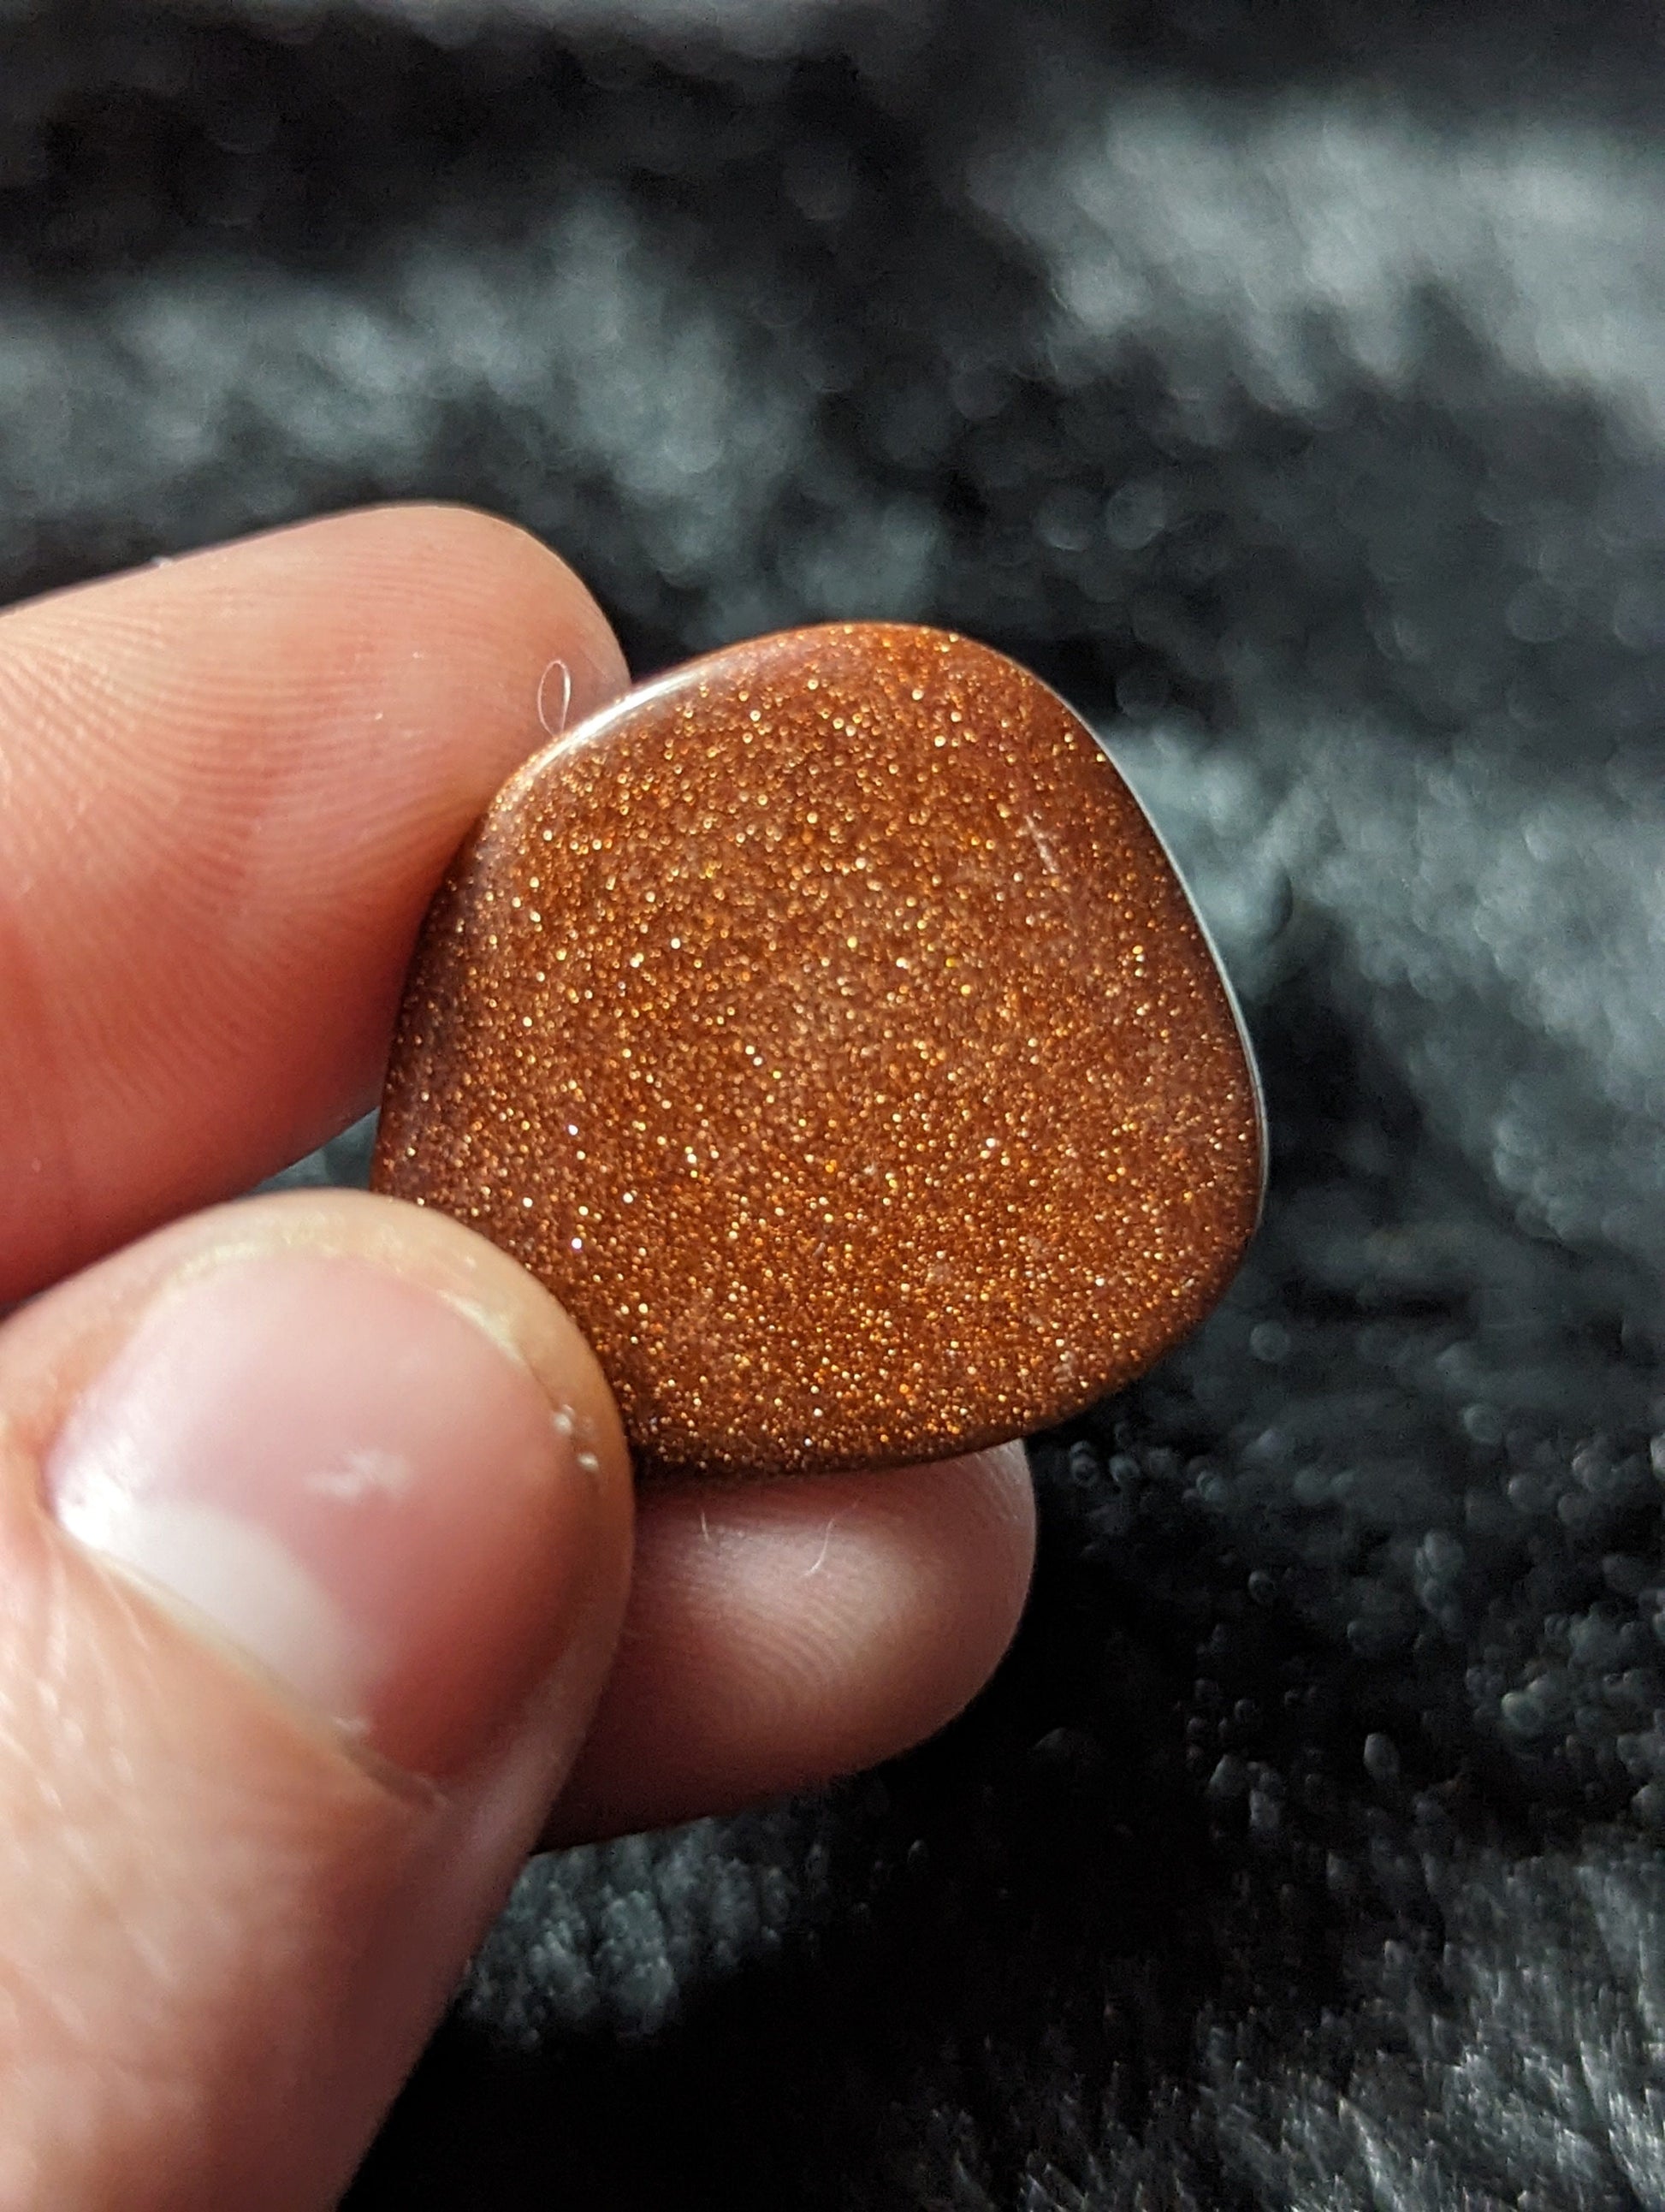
<point>314,1535</point>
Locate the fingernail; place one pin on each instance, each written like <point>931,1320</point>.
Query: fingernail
<point>347,1478</point>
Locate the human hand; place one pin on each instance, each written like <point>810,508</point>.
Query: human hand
<point>312,1610</point>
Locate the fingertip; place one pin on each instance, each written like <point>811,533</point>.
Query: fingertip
<point>235,780</point>
<point>783,1633</point>
<point>316,1517</point>
<point>448,548</point>
<point>460,545</point>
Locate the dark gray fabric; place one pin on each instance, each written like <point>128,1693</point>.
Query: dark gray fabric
<point>1288,384</point>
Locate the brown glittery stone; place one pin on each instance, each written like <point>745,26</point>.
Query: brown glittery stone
<point>826,1026</point>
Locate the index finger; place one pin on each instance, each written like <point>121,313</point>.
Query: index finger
<point>228,786</point>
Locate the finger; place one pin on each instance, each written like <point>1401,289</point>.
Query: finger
<point>231,785</point>
<point>782,1633</point>
<point>314,1527</point>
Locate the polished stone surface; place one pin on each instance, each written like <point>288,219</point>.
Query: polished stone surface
<point>826,1025</point>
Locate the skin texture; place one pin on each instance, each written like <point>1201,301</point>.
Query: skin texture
<point>230,786</point>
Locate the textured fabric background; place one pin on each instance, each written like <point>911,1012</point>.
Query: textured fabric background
<point>1287,382</point>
